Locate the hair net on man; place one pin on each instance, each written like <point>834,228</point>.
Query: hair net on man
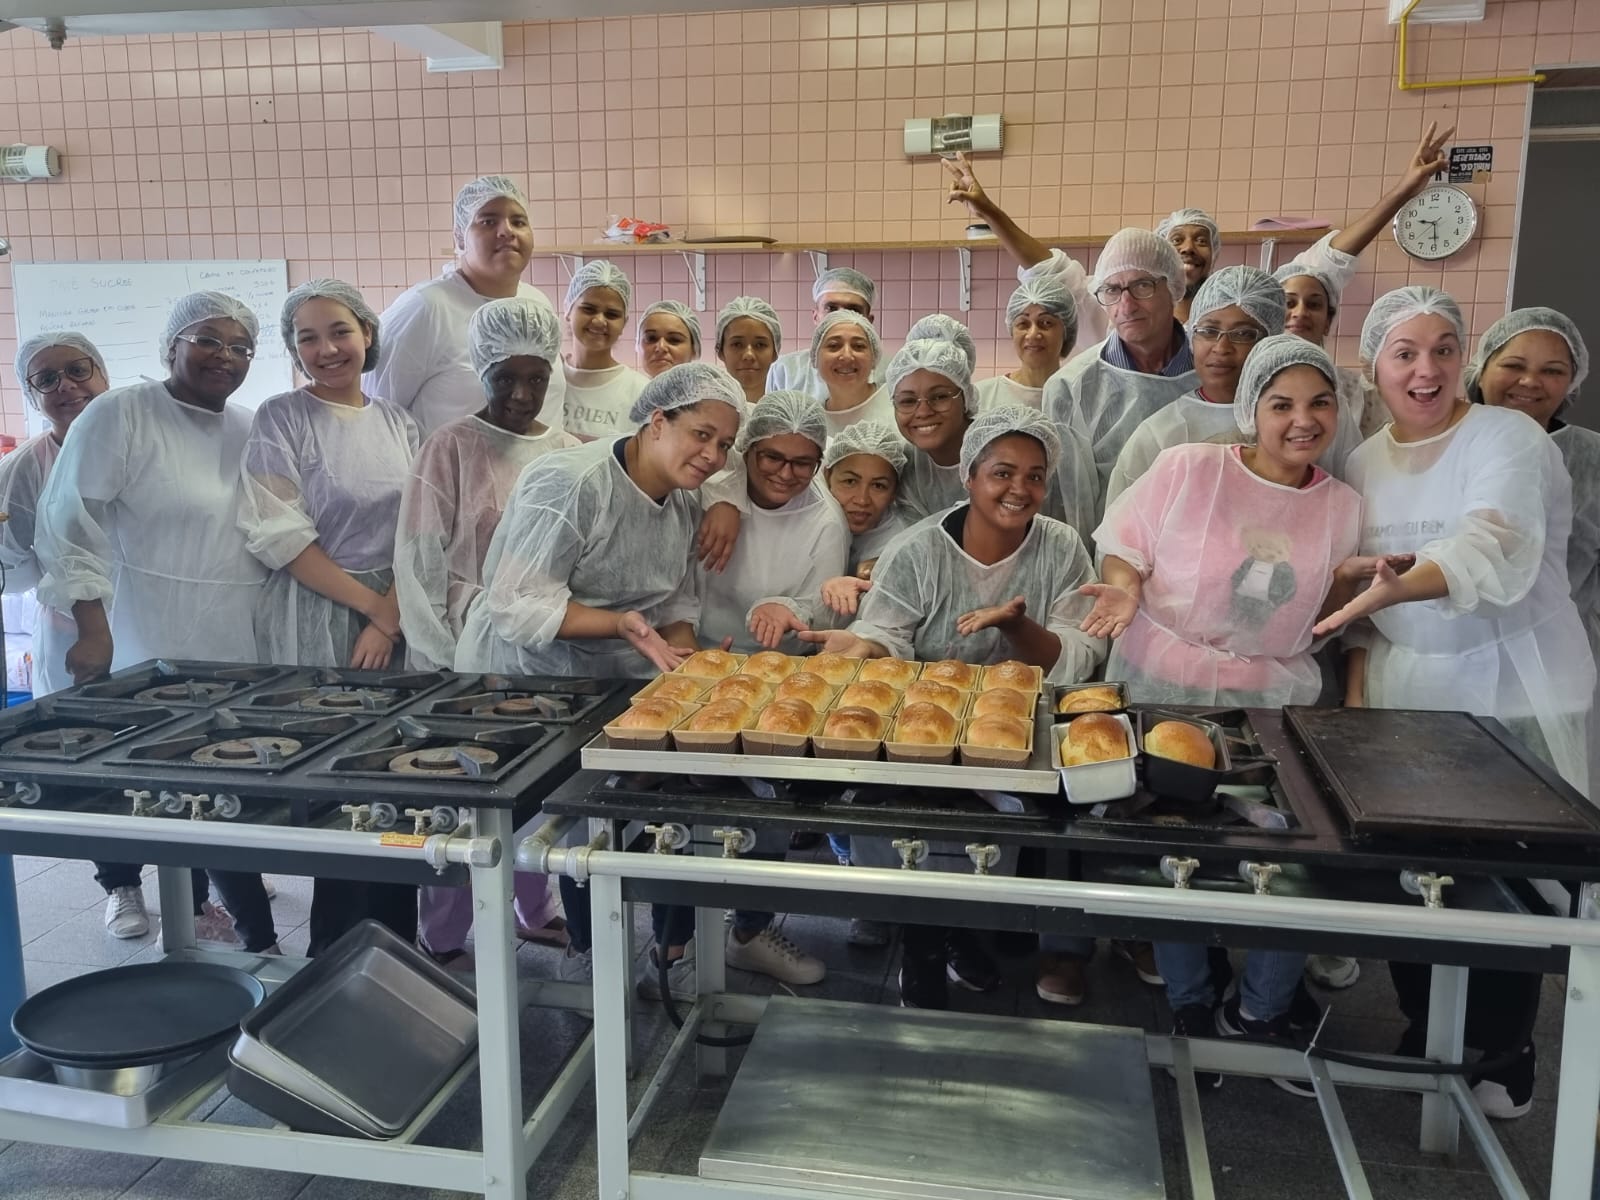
<point>511,328</point>
<point>1192,216</point>
<point>1050,293</point>
<point>1002,421</point>
<point>476,194</point>
<point>1135,249</point>
<point>866,437</point>
<point>756,309</point>
<point>1520,321</point>
<point>47,341</point>
<point>940,327</point>
<point>845,317</point>
<point>780,413</point>
<point>1395,308</point>
<point>1269,359</point>
<point>940,357</point>
<point>1257,293</point>
<point>204,306</point>
<point>1294,270</point>
<point>684,385</point>
<point>339,292</point>
<point>673,308</point>
<point>598,273</point>
<point>843,279</point>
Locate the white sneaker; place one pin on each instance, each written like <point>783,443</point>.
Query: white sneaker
<point>680,976</point>
<point>125,913</point>
<point>1333,971</point>
<point>575,967</point>
<point>770,953</point>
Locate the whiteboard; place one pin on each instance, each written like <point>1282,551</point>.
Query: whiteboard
<point>122,307</point>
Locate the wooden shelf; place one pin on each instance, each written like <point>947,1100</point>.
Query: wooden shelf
<point>609,249</point>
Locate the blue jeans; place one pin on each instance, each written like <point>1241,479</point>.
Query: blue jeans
<point>1270,977</point>
<point>1069,945</point>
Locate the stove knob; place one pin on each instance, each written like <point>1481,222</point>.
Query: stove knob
<point>670,836</point>
<point>913,852</point>
<point>141,801</point>
<point>27,793</point>
<point>735,841</point>
<point>360,816</point>
<point>173,803</point>
<point>1259,875</point>
<point>384,815</point>
<point>227,806</point>
<point>983,857</point>
<point>1178,869</point>
<point>444,819</point>
<point>1429,885</point>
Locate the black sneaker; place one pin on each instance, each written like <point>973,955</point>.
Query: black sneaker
<point>1305,1014</point>
<point>1506,1094</point>
<point>1196,1021</point>
<point>922,983</point>
<point>969,965</point>
<point>1231,1023</point>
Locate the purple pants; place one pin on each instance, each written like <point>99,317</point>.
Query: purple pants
<point>444,914</point>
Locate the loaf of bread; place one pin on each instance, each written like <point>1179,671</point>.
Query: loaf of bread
<point>710,664</point>
<point>853,723</point>
<point>786,716</point>
<point>1181,742</point>
<point>948,670</point>
<point>879,697</point>
<point>746,688</point>
<point>1090,699</point>
<point>770,666</point>
<point>720,716</point>
<point>677,687</point>
<point>1003,702</point>
<point>653,712</point>
<point>804,685</point>
<point>1092,738</point>
<point>1018,676</point>
<point>998,733</point>
<point>928,691</point>
<point>835,668</point>
<point>896,672</point>
<point>926,725</point>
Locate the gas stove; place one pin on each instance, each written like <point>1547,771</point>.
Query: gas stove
<point>228,740</point>
<point>61,729</point>
<point>346,691</point>
<point>180,683</point>
<point>544,698</point>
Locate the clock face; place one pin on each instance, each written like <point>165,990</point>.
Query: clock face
<point>1437,223</point>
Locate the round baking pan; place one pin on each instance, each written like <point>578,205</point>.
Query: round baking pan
<point>130,1016</point>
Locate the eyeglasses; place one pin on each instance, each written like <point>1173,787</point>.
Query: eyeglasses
<point>1110,294</point>
<point>774,463</point>
<point>79,370</point>
<point>1239,337</point>
<point>211,345</point>
<point>937,401</point>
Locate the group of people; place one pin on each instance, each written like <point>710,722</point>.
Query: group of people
<point>1175,487</point>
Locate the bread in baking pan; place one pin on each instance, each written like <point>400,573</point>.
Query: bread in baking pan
<point>770,666</point>
<point>1092,738</point>
<point>948,670</point>
<point>720,716</point>
<point>652,712</point>
<point>677,687</point>
<point>747,688</point>
<point>1181,742</point>
<point>1090,699</point>
<point>860,723</point>
<point>786,716</point>
<point>835,668</point>
<point>998,733</point>
<point>928,691</point>
<point>926,725</point>
<point>879,697</point>
<point>709,664</point>
<point>804,685</point>
<point>1011,674</point>
<point>1003,702</point>
<point>896,672</point>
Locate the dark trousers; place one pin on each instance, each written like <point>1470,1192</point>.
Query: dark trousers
<point>243,894</point>
<point>1501,1006</point>
<point>580,925</point>
<point>338,905</point>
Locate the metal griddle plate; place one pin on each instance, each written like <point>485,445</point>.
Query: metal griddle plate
<point>1436,775</point>
<point>906,1103</point>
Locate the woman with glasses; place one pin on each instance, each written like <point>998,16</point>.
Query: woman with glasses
<point>749,340</point>
<point>138,528</point>
<point>930,385</point>
<point>668,334</point>
<point>600,390</point>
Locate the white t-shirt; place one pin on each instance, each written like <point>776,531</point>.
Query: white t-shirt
<point>597,403</point>
<point>1003,390</point>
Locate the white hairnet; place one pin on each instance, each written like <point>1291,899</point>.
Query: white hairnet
<point>1002,421</point>
<point>845,317</point>
<point>756,309</point>
<point>512,327</point>
<point>340,292</point>
<point>1140,250</point>
<point>944,328</point>
<point>1267,360</point>
<point>673,308</point>
<point>1398,307</point>
<point>1259,294</point>
<point>204,306</point>
<point>598,273</point>
<point>843,279</point>
<point>1295,269</point>
<point>1051,293</point>
<point>1192,216</point>
<point>476,194</point>
<point>45,341</point>
<point>686,384</point>
<point>940,357</point>
<point>867,437</point>
<point>1519,321</point>
<point>778,413</point>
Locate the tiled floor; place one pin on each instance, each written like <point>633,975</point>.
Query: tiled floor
<point>1264,1144</point>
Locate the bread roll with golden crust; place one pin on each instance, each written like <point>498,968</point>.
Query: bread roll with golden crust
<point>804,685</point>
<point>1090,699</point>
<point>1092,738</point>
<point>677,687</point>
<point>1003,702</point>
<point>835,668</point>
<point>860,723</point>
<point>652,712</point>
<point>925,724</point>
<point>948,670</point>
<point>998,733</point>
<point>770,667</point>
<point>928,691</point>
<point>896,672</point>
<point>721,716</point>
<point>879,697</point>
<point>1181,742</point>
<point>745,688</point>
<point>1018,676</point>
<point>709,664</point>
<point>786,716</point>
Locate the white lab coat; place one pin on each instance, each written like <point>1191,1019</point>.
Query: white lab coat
<point>22,478</point>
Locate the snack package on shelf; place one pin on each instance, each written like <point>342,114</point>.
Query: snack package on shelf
<point>632,229</point>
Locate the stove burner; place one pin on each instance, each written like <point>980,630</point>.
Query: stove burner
<point>70,739</point>
<point>349,699</point>
<point>247,751</point>
<point>187,691</point>
<point>444,760</point>
<point>516,706</point>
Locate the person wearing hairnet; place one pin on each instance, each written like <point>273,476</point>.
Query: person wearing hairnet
<point>424,368</point>
<point>137,534</point>
<point>862,467</point>
<point>668,334</point>
<point>838,289</point>
<point>1037,264</point>
<point>941,327</point>
<point>1042,318</point>
<point>1216,564</point>
<point>749,340</point>
<point>1485,621</point>
<point>846,360</point>
<point>986,580</point>
<point>600,391</point>
<point>1196,236</point>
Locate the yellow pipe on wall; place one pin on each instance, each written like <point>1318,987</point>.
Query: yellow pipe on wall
<point>1407,86</point>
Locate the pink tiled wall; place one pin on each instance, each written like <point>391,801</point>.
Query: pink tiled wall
<point>337,151</point>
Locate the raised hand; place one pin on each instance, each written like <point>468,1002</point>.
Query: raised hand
<point>837,641</point>
<point>1113,610</point>
<point>994,616</point>
<point>769,622</point>
<point>964,185</point>
<point>644,638</point>
<point>843,593</point>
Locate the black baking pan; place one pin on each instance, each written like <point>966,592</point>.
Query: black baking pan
<point>1060,691</point>
<point>134,1015</point>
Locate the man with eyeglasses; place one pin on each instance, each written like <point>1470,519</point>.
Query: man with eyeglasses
<point>836,289</point>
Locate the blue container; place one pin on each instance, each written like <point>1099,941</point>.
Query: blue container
<point>12,987</point>
<point>15,698</point>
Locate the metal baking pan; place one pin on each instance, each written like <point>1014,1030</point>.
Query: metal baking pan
<point>1180,780</point>
<point>367,1034</point>
<point>28,1085</point>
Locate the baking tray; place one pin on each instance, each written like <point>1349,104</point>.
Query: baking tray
<point>1448,775</point>
<point>367,1035</point>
